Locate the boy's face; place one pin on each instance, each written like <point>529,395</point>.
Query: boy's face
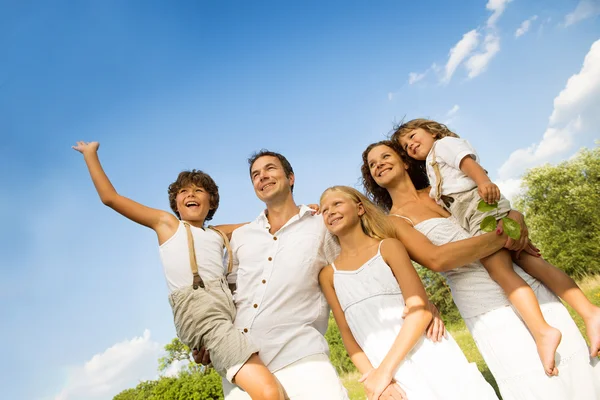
<point>417,143</point>
<point>193,203</point>
<point>269,180</point>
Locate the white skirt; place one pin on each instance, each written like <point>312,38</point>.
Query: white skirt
<point>510,352</point>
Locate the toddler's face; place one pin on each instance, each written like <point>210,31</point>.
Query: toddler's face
<point>417,143</point>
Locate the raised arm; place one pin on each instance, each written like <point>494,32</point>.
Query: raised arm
<point>164,223</point>
<point>356,353</point>
<point>417,318</point>
<point>450,255</point>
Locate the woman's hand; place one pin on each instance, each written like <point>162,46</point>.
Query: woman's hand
<point>524,243</point>
<point>375,382</point>
<point>393,392</point>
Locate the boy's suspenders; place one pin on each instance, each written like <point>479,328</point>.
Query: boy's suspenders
<point>198,282</point>
<point>438,175</point>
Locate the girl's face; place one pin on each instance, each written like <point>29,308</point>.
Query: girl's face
<point>385,165</point>
<point>340,212</point>
<point>417,143</point>
<point>193,203</point>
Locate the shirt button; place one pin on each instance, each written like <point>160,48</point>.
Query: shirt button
<point>256,306</point>
<point>245,330</point>
<point>274,237</point>
<point>264,281</point>
<point>270,258</point>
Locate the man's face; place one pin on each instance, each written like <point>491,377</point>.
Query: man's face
<point>269,180</point>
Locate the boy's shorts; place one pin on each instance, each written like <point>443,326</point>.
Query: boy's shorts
<point>204,317</point>
<point>463,206</point>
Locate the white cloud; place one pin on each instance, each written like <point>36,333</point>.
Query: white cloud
<point>119,367</point>
<point>459,52</point>
<point>510,188</point>
<point>415,77</point>
<point>477,63</point>
<point>585,9</point>
<point>525,25</point>
<point>497,7</point>
<point>575,108</point>
<point>452,111</point>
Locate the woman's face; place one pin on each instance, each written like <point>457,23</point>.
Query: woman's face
<point>385,165</point>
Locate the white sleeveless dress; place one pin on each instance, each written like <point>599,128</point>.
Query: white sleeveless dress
<point>503,339</point>
<point>373,305</point>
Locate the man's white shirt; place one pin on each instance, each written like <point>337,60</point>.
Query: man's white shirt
<point>279,303</point>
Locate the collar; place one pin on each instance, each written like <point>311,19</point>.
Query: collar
<point>263,222</point>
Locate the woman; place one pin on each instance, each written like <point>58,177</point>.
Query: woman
<point>435,241</point>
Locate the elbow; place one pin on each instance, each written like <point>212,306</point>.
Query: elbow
<point>437,263</point>
<point>108,200</point>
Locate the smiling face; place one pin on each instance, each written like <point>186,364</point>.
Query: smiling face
<point>417,143</point>
<point>193,203</point>
<point>385,165</point>
<point>340,212</point>
<point>269,179</point>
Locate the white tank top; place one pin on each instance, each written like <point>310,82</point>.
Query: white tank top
<point>175,258</point>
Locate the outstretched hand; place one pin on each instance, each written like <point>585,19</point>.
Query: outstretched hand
<point>86,147</point>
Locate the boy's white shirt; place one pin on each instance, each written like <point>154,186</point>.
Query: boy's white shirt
<point>175,257</point>
<point>449,152</point>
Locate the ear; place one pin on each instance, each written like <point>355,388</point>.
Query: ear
<point>405,166</point>
<point>361,209</point>
<point>292,179</point>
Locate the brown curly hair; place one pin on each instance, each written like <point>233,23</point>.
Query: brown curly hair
<point>376,193</point>
<point>200,179</point>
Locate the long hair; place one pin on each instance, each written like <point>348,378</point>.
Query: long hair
<point>380,195</point>
<point>374,222</point>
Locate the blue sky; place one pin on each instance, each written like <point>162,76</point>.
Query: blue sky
<point>171,86</point>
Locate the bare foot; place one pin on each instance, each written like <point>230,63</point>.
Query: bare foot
<point>592,326</point>
<point>547,342</point>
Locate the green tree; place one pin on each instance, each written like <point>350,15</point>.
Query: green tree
<point>177,351</point>
<point>561,206</point>
<point>337,352</point>
<point>439,293</point>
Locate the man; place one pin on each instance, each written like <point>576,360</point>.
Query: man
<point>278,257</point>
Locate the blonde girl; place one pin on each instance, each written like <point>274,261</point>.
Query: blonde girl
<point>368,287</point>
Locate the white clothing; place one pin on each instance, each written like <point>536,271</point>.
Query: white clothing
<point>373,305</point>
<point>503,339</point>
<point>449,152</point>
<point>280,305</point>
<point>310,378</point>
<point>174,254</point>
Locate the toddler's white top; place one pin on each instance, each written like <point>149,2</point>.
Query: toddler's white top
<point>449,152</point>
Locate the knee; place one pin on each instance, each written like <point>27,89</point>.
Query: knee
<point>272,391</point>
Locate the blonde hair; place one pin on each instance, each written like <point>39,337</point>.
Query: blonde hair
<point>436,129</point>
<point>374,222</point>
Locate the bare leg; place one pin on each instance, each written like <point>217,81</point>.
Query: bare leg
<point>566,288</point>
<point>547,338</point>
<point>258,381</point>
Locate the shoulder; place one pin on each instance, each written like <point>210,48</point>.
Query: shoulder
<point>326,274</point>
<point>391,245</point>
